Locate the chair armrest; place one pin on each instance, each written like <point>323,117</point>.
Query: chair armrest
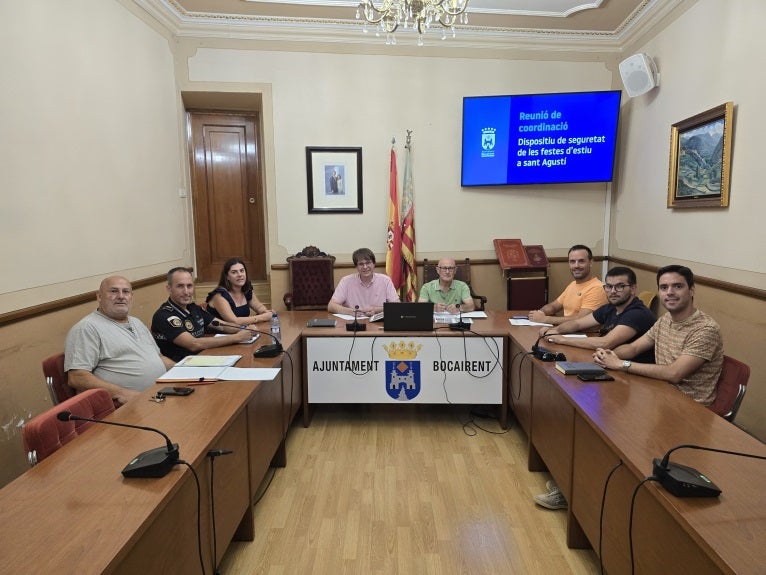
<point>288,299</point>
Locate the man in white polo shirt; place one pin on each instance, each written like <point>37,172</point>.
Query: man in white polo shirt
<point>108,348</point>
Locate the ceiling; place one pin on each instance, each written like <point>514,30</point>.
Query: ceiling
<point>582,25</point>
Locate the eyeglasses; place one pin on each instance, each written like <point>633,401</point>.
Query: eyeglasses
<point>446,269</point>
<point>365,263</point>
<point>616,287</point>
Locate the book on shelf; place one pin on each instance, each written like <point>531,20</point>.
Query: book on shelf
<point>579,368</point>
<point>536,256</point>
<point>510,253</point>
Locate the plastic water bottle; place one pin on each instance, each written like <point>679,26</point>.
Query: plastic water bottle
<point>276,331</point>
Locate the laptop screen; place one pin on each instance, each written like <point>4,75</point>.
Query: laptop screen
<point>408,316</point>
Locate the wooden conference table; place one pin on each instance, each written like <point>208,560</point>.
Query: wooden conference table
<point>581,431</point>
<point>75,513</point>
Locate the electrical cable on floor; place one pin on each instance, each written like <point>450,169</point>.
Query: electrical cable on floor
<point>601,516</point>
<point>199,515</point>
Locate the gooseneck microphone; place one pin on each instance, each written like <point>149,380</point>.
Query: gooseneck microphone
<point>219,323</point>
<point>153,463</point>
<point>272,350</point>
<point>460,325</point>
<point>683,481</point>
<point>355,325</point>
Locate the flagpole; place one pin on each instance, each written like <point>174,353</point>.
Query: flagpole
<point>394,230</point>
<point>410,287</point>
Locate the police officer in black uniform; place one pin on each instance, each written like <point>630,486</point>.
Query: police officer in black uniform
<point>179,325</point>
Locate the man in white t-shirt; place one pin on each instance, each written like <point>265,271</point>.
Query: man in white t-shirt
<point>110,349</point>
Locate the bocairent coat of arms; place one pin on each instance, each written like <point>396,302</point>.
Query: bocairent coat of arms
<point>402,370</point>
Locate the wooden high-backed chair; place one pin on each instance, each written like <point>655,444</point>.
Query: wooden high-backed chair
<point>311,279</point>
<point>462,273</point>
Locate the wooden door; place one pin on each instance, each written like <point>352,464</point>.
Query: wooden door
<point>227,193</point>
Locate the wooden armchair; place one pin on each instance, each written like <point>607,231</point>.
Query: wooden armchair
<point>462,273</point>
<point>311,279</point>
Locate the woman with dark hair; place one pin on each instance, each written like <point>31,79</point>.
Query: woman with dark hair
<point>233,299</point>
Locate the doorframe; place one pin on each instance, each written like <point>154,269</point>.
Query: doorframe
<point>216,101</point>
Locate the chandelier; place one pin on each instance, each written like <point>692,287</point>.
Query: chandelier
<point>415,14</point>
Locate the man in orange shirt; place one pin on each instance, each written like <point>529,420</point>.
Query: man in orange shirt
<point>582,296</point>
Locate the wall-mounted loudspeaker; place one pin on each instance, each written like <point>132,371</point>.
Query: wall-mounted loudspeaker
<point>639,74</point>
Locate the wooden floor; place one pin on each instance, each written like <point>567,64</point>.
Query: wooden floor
<point>405,490</point>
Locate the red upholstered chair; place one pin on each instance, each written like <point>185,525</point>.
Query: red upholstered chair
<point>311,279</point>
<point>731,388</point>
<point>44,433</point>
<point>56,379</point>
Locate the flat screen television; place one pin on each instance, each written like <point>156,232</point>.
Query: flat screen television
<point>539,138</point>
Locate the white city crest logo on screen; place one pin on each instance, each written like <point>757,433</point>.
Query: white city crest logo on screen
<point>487,142</point>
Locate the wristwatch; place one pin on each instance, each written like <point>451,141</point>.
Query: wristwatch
<point>626,365</point>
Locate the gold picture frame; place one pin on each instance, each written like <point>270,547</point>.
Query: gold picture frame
<point>700,159</point>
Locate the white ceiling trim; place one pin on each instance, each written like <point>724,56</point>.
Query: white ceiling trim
<point>182,23</point>
<point>549,8</point>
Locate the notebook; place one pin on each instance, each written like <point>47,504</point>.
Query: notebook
<point>579,367</point>
<point>408,316</point>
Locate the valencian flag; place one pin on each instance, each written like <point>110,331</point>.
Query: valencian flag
<point>410,288</point>
<point>394,234</point>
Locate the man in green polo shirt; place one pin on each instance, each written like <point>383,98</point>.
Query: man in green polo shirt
<point>446,292</point>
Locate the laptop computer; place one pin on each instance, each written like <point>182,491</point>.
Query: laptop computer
<point>408,316</point>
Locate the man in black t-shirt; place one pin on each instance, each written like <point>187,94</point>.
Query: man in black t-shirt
<point>179,325</point>
<point>624,319</point>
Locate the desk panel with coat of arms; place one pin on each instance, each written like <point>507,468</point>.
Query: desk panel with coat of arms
<point>465,370</point>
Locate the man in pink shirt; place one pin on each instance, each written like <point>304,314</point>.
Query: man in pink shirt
<point>365,289</point>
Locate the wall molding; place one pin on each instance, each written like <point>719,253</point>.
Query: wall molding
<point>56,305</point>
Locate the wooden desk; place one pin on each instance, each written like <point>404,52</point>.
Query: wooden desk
<point>76,513</point>
<point>275,403</point>
<point>582,430</point>
<point>441,353</point>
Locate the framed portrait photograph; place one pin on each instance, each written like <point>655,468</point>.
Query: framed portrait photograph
<point>700,159</point>
<point>334,177</point>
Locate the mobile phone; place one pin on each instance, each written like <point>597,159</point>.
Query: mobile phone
<point>176,390</point>
<point>595,377</point>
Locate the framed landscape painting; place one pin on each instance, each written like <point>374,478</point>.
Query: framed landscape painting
<point>700,159</point>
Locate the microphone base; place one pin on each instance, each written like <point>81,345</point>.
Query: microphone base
<point>272,350</point>
<point>356,326</point>
<point>683,481</point>
<point>153,463</point>
<point>460,326</point>
<point>543,354</point>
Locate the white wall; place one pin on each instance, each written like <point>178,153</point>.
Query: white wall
<point>713,54</point>
<point>344,100</point>
<point>90,150</point>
